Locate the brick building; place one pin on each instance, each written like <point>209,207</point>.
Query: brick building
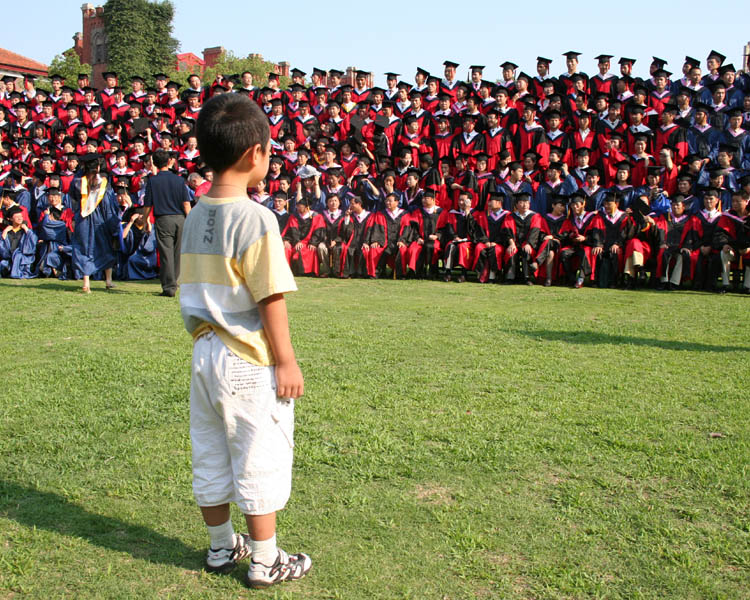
<point>16,65</point>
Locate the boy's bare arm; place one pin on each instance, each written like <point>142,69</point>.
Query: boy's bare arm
<point>289,381</point>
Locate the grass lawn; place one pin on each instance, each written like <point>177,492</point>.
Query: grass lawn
<point>454,441</point>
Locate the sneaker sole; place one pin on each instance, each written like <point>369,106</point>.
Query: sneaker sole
<point>222,569</point>
<point>262,584</point>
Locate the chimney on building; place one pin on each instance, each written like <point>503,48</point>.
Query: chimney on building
<point>211,55</point>
<point>284,68</point>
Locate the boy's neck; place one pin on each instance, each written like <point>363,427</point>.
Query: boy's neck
<point>230,184</point>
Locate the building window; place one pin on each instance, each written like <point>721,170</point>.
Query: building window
<point>99,44</point>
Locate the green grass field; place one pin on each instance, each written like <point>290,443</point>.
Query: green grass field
<point>454,441</point>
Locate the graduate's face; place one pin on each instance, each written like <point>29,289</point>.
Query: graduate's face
<point>713,63</point>
<point>601,105</point>
<point>279,203</point>
<point>610,206</point>
<point>450,73</point>
<point>683,186</point>
<point>542,68</point>
<point>361,82</point>
<point>571,63</point>
<point>735,122</point>
<point>432,87</point>
<point>660,83</point>
<point>719,95</point>
<point>582,160</point>
<point>622,175</point>
<point>17,219</point>
<point>411,181</point>
<point>476,76</point>
<point>529,162</point>
<point>739,204</point>
<point>603,66</point>
<point>554,123</point>
<point>695,75</point>
<point>522,205</point>
<point>391,203</point>
<point>678,209</point>
<point>333,203</point>
<point>577,208</point>
<point>592,180</point>
<point>428,201</point>
<point>626,68</point>
<point>710,201</point>
<point>584,121</point>
<point>403,94</point>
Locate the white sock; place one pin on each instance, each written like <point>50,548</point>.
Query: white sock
<point>222,536</point>
<point>264,551</point>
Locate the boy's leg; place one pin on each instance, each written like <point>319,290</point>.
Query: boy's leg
<point>270,564</point>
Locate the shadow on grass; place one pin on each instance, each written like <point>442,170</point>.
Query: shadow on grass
<point>596,338</point>
<point>46,510</point>
<point>75,286</point>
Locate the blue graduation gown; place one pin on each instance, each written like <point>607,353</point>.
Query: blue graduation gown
<point>94,234</point>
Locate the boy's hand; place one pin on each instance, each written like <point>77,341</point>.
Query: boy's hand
<point>289,380</point>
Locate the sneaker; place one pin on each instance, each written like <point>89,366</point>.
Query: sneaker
<point>224,560</point>
<point>285,568</point>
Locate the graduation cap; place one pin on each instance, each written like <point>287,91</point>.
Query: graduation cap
<point>693,62</point>
<point>571,54</point>
<point>727,68</point>
<point>335,73</point>
<point>734,112</point>
<point>509,65</point>
<point>623,165</point>
<point>559,199</point>
<point>56,77</point>
<point>108,74</point>
<point>89,157</point>
<point>661,73</point>
<point>476,68</point>
<point>12,212</point>
<point>525,76</point>
<point>703,107</point>
<point>425,73</point>
<point>717,55</point>
<point>362,74</point>
<point>428,193</point>
<point>654,171</point>
<point>685,91</point>
<point>593,171</point>
<point>557,166</point>
<point>297,87</point>
<point>603,58</point>
<point>414,92</point>
<point>447,63</point>
<point>135,78</point>
<point>273,75</point>
<point>298,72</point>
<point>392,75</point>
<point>670,107</point>
<point>521,197</point>
<point>728,148</point>
<point>173,85</point>
<point>582,151</point>
<point>319,72</point>
<point>82,76</point>
<point>541,59</point>
<point>717,84</point>
<point>533,154</point>
<point>381,121</point>
<point>158,76</point>
<point>659,62</point>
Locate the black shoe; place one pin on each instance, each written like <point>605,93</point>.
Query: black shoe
<point>167,294</point>
<point>723,289</point>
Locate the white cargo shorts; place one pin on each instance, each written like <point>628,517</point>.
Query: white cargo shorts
<point>242,434</point>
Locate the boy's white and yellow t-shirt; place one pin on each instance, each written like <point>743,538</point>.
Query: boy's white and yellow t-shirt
<point>232,257</point>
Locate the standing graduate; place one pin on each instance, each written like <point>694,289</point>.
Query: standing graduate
<point>579,239</point>
<point>54,231</point>
<point>307,230</point>
<point>459,233</point>
<point>355,233</point>
<point>385,246</point>
<point>521,233</point>
<point>700,239</point>
<point>732,240</point>
<point>673,251</point>
<point>423,254</point>
<point>609,251</point>
<point>96,221</point>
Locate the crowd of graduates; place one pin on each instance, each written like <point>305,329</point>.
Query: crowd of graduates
<point>572,180</point>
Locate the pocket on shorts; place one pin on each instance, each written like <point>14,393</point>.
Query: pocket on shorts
<point>283,417</point>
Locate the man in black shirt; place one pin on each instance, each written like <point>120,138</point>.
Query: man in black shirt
<point>168,195</point>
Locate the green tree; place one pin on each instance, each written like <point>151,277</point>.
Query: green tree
<point>69,66</point>
<point>139,37</point>
<point>231,64</point>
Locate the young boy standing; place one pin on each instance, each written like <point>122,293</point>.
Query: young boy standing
<point>244,374</point>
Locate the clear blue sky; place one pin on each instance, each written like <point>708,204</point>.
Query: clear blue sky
<point>399,36</point>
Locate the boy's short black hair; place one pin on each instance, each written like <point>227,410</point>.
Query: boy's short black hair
<point>228,125</point>
<point>160,158</point>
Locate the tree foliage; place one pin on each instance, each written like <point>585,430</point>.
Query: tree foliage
<point>231,64</point>
<point>69,66</point>
<point>139,37</point>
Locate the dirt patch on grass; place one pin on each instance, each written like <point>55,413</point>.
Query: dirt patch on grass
<point>434,494</point>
